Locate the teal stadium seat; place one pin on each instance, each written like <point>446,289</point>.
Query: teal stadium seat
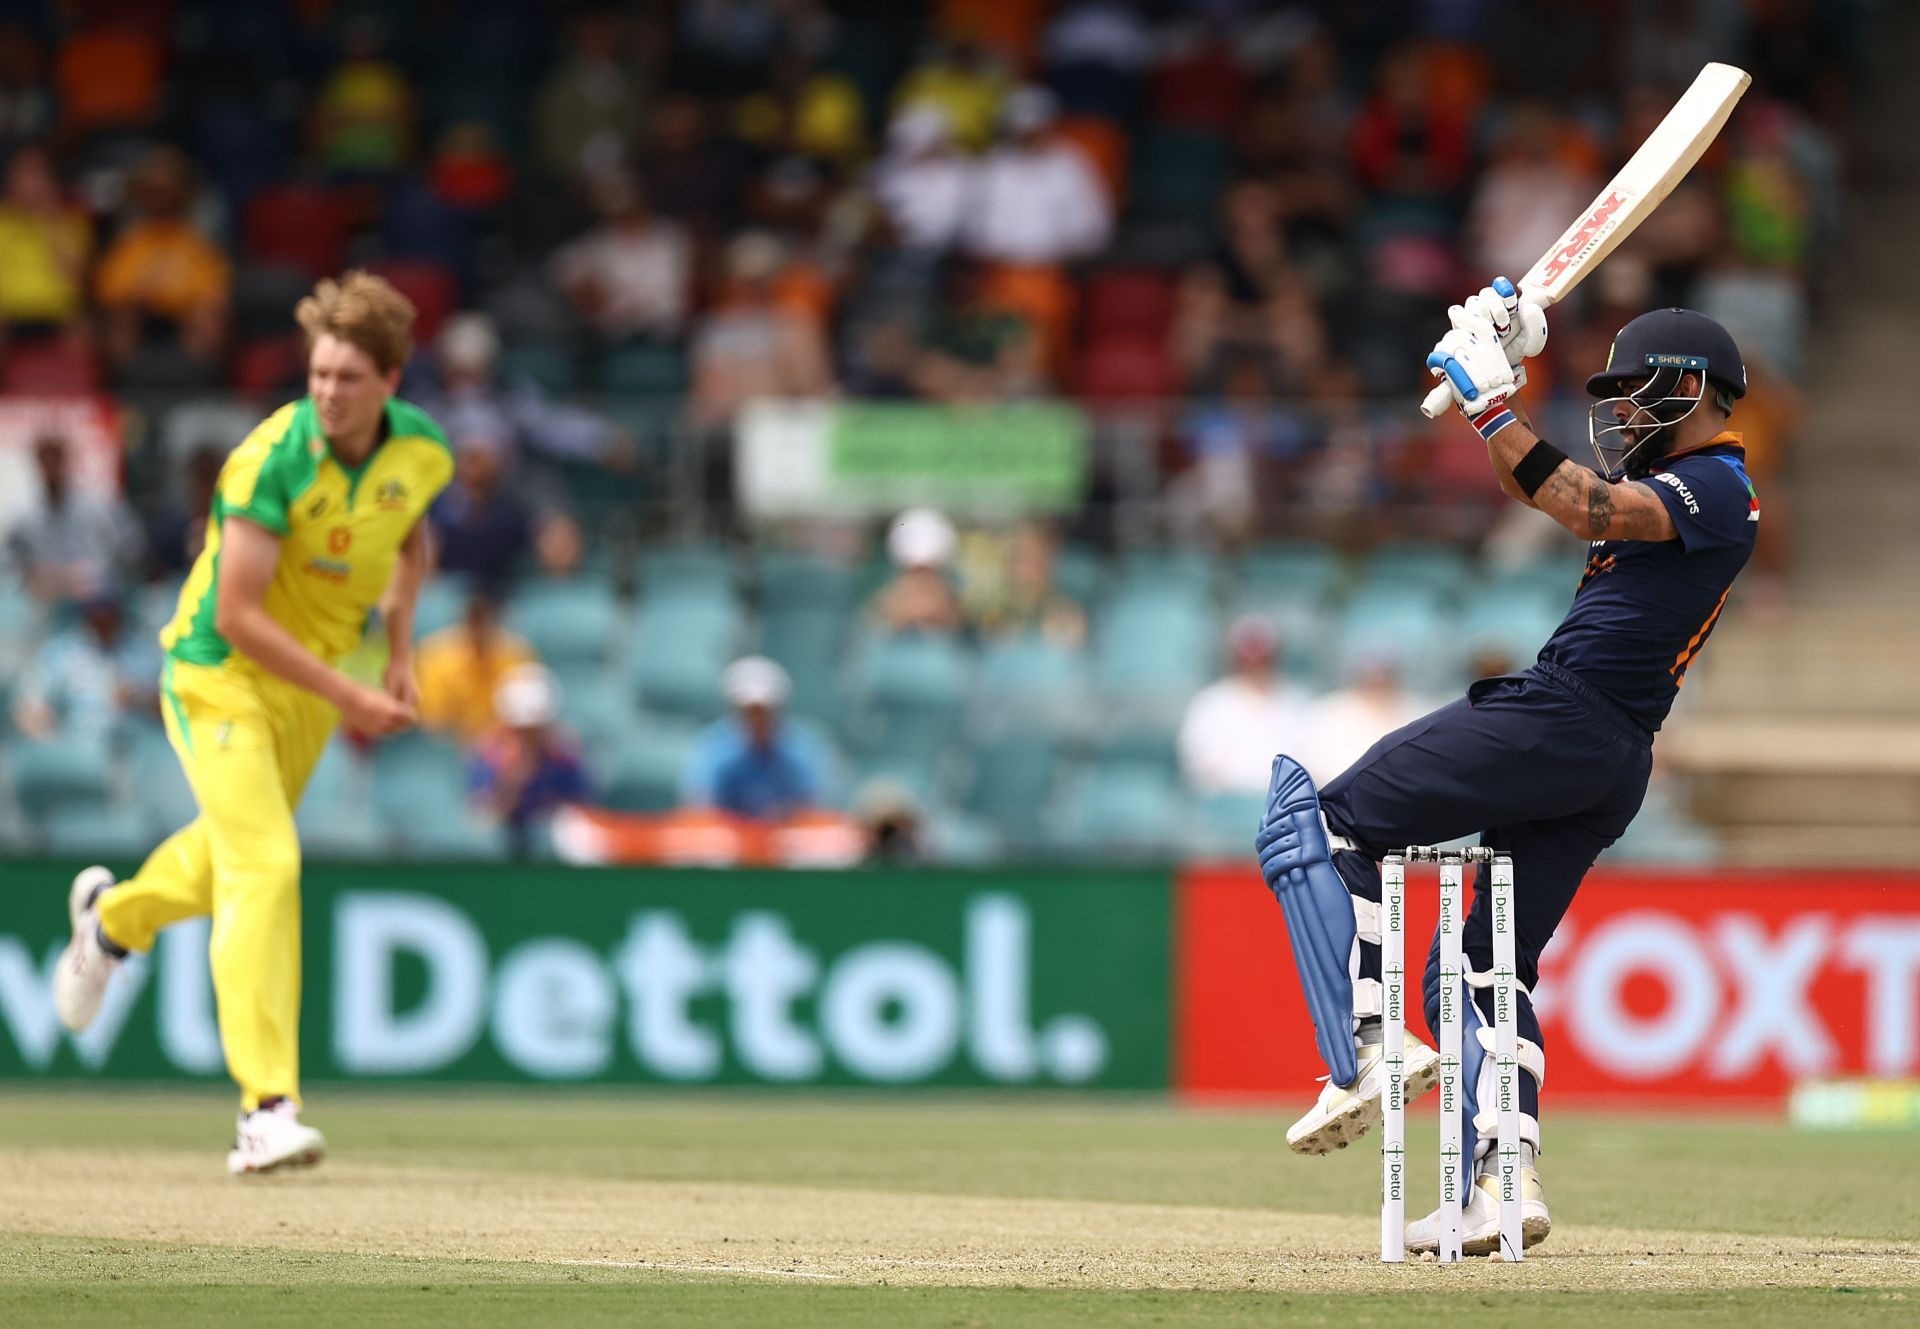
<point>680,646</point>
<point>909,692</point>
<point>1154,650</point>
<point>462,836</point>
<point>1186,572</point>
<point>680,570</point>
<point>807,641</point>
<point>1122,811</point>
<point>645,371</point>
<point>56,772</point>
<point>1030,683</point>
<point>1291,572</point>
<point>1440,570</point>
<point>1079,573</point>
<point>645,776</point>
<point>160,787</point>
<point>568,622</point>
<point>791,581</point>
<point>442,603</point>
<point>1403,625</point>
<point>419,783</point>
<point>551,367</point>
<point>96,830</point>
<point>1179,172</point>
<point>1013,783</point>
<point>1223,825</point>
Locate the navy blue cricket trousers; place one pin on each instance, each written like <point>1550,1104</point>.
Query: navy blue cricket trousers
<point>1537,764</point>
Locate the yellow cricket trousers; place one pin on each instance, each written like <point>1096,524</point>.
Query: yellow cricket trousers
<point>248,744</point>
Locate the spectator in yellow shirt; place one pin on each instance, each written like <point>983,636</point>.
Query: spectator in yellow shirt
<point>44,247</point>
<point>461,669</point>
<point>163,273</point>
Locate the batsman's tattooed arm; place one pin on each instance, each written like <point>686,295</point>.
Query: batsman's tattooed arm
<point>1576,497</point>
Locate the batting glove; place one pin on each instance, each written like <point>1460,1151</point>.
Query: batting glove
<point>1473,364</point>
<point>1520,324</point>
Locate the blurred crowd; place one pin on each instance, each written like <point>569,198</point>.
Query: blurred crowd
<point>1227,227</point>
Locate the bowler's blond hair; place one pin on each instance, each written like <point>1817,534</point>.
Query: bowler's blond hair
<point>364,311</point>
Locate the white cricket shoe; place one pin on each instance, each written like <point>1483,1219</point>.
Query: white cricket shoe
<point>1480,1218</point>
<point>1341,1116</point>
<point>80,983</point>
<point>272,1138</point>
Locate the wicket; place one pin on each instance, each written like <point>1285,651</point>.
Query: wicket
<point>1456,1171</point>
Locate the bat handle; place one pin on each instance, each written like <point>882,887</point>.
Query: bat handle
<point>1436,401</point>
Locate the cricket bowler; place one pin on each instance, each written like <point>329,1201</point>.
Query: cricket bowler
<point>317,521</point>
<point>1548,765</point>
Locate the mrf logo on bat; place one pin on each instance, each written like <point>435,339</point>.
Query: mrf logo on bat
<point>1588,234</point>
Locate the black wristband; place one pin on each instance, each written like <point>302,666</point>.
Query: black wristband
<point>1541,461</point>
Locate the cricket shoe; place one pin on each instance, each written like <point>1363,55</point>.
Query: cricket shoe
<point>80,983</point>
<point>1341,1116</point>
<point>1480,1218</point>
<point>269,1139</point>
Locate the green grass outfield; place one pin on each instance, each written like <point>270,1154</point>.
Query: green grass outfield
<point>583,1209</point>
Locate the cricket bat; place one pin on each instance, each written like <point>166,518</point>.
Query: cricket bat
<point>1631,196</point>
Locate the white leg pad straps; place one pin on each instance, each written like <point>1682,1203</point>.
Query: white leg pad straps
<point>1369,997</point>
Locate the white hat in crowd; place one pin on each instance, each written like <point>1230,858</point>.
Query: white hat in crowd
<point>754,680</point>
<point>527,698</point>
<point>920,538</point>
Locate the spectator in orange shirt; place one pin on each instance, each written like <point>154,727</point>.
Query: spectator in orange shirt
<point>163,279</point>
<point>462,667</point>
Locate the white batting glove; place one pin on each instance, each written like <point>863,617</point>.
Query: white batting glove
<point>1471,361</point>
<point>1520,324</point>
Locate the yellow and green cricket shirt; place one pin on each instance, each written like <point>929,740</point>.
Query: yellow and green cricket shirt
<point>340,528</point>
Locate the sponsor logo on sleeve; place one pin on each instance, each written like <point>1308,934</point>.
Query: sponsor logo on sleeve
<point>1679,486</point>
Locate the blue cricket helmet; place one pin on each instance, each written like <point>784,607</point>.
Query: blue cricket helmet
<point>1680,339</point>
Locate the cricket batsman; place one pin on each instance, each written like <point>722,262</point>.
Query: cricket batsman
<point>317,522</point>
<point>1548,765</point>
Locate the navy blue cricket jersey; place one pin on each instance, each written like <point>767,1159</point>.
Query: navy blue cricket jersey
<point>1645,608</point>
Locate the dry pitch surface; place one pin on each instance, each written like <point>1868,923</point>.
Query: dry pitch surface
<point>529,1209</point>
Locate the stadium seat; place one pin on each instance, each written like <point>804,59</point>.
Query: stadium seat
<point>1127,369</point>
<point>1178,572</point>
<point>417,778</point>
<point>52,367</point>
<point>1439,570</point>
<point>802,581</point>
<point>430,284</point>
<point>1012,784</point>
<point>806,641</point>
<point>95,830</point>
<point>1122,811</point>
<point>341,830</point>
<point>908,694</point>
<point>645,371</point>
<point>678,570</point>
<point>1079,573</point>
<point>1029,683</point>
<point>1402,625</point>
<point>680,647</point>
<point>159,784</point>
<point>1154,649</point>
<point>550,367</point>
<point>442,603</point>
<point>268,367</point>
<point>1294,572</point>
<point>459,835</point>
<point>55,773</point>
<point>1223,825</point>
<point>299,226</point>
<point>1179,172</point>
<point>1129,302</point>
<point>645,776</point>
<point>264,295</point>
<point>568,622</point>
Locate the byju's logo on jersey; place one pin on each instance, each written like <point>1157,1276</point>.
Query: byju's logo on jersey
<point>391,496</point>
<point>1679,486</point>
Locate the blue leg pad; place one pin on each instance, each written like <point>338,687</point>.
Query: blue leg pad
<point>1298,865</point>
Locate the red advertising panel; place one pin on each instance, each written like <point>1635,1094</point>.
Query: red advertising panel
<point>1659,986</point>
